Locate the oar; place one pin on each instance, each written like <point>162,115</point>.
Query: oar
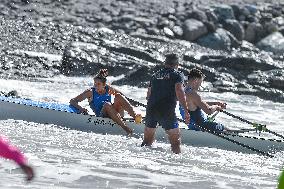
<point>258,126</point>
<point>234,141</point>
<point>214,133</point>
<point>135,102</point>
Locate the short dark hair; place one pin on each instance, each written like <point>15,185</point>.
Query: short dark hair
<point>172,59</point>
<point>195,74</point>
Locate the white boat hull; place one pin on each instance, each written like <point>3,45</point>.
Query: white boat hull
<point>49,113</point>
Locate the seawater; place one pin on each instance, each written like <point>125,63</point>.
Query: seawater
<point>64,158</point>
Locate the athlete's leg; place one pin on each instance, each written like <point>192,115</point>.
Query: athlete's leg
<point>121,103</point>
<point>149,136</point>
<point>175,139</point>
<point>111,112</point>
<point>150,129</point>
<point>170,124</point>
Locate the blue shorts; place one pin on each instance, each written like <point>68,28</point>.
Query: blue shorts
<point>167,124</point>
<point>162,113</point>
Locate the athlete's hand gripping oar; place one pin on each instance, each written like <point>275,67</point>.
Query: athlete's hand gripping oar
<point>259,127</point>
<point>218,135</point>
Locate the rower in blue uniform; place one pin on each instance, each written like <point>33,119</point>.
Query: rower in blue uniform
<point>197,106</point>
<point>99,100</point>
<point>102,104</point>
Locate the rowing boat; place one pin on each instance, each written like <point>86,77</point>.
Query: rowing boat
<point>67,116</point>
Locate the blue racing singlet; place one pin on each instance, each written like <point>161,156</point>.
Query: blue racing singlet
<point>99,100</point>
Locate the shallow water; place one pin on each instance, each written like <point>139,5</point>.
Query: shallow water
<point>66,158</point>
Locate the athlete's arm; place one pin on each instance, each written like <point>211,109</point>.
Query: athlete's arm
<point>204,105</point>
<point>222,104</point>
<point>182,100</point>
<point>85,95</point>
<point>10,152</point>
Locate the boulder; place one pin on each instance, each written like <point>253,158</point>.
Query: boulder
<point>211,16</point>
<point>198,15</point>
<point>253,32</point>
<point>218,40</point>
<point>193,29</point>
<point>234,27</point>
<point>272,43</point>
<point>224,12</point>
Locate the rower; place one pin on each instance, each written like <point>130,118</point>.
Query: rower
<point>197,106</point>
<point>102,104</point>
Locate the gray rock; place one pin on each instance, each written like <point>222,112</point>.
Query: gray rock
<point>270,27</point>
<point>235,28</point>
<point>224,12</point>
<point>241,17</point>
<point>265,17</point>
<point>253,32</point>
<point>252,9</point>
<point>178,31</point>
<point>279,21</point>
<point>211,16</point>
<point>168,32</point>
<point>237,10</point>
<point>218,40</point>
<point>153,31</point>
<point>198,15</point>
<point>247,46</point>
<point>211,27</point>
<point>252,18</point>
<point>193,29</point>
<point>272,43</point>
<point>281,30</point>
<point>162,22</point>
<point>126,18</point>
<point>245,11</point>
<point>235,43</point>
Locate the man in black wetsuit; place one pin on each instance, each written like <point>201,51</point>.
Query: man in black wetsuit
<point>166,87</point>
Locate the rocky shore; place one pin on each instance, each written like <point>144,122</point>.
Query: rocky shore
<point>239,45</point>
